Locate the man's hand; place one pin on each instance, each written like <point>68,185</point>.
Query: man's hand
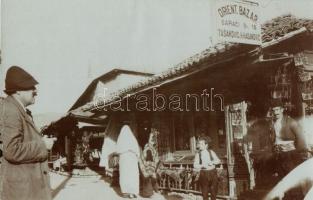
<point>49,141</point>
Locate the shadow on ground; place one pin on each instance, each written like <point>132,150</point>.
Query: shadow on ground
<point>60,187</point>
<point>116,188</point>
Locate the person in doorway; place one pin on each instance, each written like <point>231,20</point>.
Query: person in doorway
<point>205,162</point>
<point>24,169</point>
<point>128,149</point>
<point>86,150</point>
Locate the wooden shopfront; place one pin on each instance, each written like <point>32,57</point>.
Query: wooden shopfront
<point>247,78</point>
<point>222,119</point>
<point>230,128</point>
<point>79,142</point>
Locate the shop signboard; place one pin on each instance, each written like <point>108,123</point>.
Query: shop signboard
<point>237,21</point>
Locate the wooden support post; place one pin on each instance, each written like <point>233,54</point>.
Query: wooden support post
<point>230,159</point>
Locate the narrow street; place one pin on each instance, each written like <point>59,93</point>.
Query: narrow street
<point>92,188</point>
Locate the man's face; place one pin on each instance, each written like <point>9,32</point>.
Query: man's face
<point>202,145</point>
<point>28,96</point>
<point>278,112</point>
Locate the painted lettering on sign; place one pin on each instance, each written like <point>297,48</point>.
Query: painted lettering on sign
<point>237,21</point>
<point>227,10</point>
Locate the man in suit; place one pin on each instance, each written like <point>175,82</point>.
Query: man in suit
<point>24,169</point>
<point>289,144</point>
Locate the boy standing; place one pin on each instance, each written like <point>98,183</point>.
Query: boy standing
<point>205,161</point>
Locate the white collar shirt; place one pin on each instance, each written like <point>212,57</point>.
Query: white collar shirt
<point>207,162</point>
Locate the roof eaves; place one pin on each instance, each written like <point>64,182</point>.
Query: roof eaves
<point>285,37</point>
<point>280,28</point>
<point>175,73</point>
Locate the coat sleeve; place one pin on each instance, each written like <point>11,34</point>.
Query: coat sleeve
<point>16,150</point>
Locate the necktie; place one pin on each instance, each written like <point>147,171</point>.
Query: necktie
<point>272,133</point>
<point>200,158</point>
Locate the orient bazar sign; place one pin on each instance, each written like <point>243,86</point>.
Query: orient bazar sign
<point>237,21</point>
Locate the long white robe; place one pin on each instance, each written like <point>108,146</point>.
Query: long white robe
<point>108,147</point>
<point>128,149</point>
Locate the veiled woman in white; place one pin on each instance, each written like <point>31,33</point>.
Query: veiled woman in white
<point>128,150</point>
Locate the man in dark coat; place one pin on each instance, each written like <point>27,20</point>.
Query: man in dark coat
<point>24,170</point>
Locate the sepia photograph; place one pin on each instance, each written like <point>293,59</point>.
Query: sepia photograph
<point>156,99</point>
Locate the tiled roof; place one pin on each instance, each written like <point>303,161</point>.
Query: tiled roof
<point>186,65</point>
<point>280,26</point>
<point>210,55</point>
<point>271,30</point>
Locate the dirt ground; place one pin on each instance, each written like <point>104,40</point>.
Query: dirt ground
<point>97,188</point>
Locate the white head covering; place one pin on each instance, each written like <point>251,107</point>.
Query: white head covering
<point>126,141</point>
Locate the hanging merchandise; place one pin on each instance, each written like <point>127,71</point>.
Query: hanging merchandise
<point>304,62</point>
<point>280,86</point>
<point>304,76</point>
